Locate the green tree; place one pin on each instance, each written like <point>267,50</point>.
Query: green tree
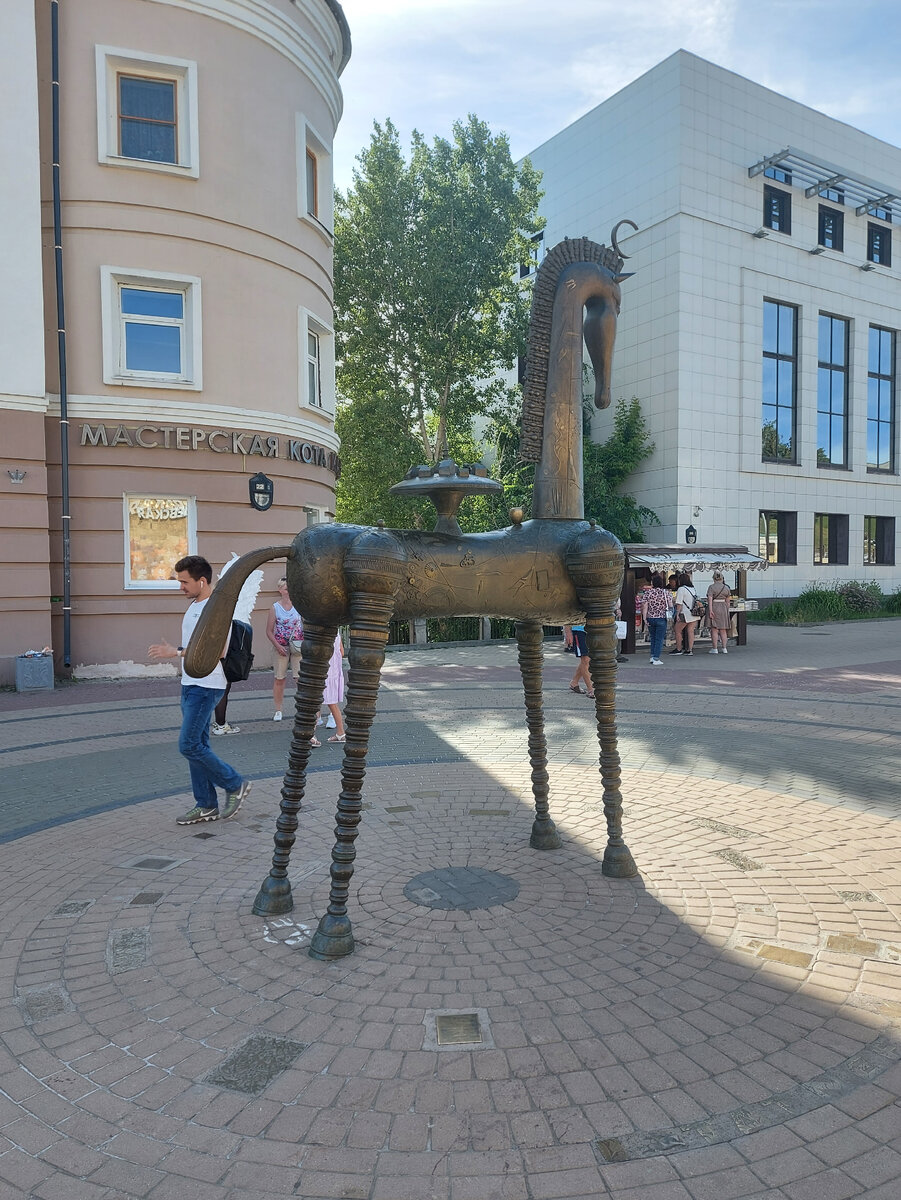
<point>607,465</point>
<point>429,309</point>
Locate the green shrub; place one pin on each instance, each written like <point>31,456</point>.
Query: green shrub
<point>892,603</point>
<point>818,603</point>
<point>861,597</point>
<point>775,613</point>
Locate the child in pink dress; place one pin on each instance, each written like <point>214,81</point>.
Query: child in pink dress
<point>334,690</point>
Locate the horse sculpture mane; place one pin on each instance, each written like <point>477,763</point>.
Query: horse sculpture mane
<point>534,388</point>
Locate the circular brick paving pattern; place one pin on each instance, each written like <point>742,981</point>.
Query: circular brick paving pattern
<point>757,951</point>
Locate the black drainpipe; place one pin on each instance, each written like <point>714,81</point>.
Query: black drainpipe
<point>61,340</point>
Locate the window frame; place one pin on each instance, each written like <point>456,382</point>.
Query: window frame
<point>113,279</point>
<point>884,235</point>
<point>834,370</point>
<point>830,536</point>
<point>836,239</point>
<point>309,323</point>
<point>317,211</point>
<point>779,357</point>
<point>155,585</point>
<point>777,201</point>
<point>880,377</point>
<point>881,536</point>
<point>111,63</point>
<point>786,538</point>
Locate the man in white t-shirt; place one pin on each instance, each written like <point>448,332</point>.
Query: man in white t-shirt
<point>198,699</point>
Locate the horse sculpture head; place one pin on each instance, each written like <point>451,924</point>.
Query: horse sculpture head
<point>577,277</point>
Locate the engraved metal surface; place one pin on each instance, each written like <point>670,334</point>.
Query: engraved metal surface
<point>458,1029</point>
<point>253,1066</point>
<point>461,888</point>
<point>833,1084</point>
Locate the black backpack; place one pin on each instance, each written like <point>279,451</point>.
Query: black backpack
<point>238,658</point>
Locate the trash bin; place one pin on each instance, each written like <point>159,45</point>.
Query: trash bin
<point>34,673</point>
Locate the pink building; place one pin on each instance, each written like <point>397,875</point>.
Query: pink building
<point>195,202</point>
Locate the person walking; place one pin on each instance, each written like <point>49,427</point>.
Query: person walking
<point>334,691</point>
<point>656,602</point>
<point>284,629</point>
<point>685,619</point>
<point>199,698</point>
<point>574,635</point>
<point>718,618</point>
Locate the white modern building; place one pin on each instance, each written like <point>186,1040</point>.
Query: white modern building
<point>759,331</point>
<point>184,148</point>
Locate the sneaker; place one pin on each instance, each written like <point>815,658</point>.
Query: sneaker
<point>277,715</point>
<point>656,662</point>
<point>677,651</point>
<point>711,652</point>
<point>319,719</point>
<point>219,730</point>
<point>723,650</point>
<point>234,800</point>
<point>330,723</point>
<point>687,653</point>
<point>198,814</point>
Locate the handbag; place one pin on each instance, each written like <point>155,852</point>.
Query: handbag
<point>296,644</point>
<point>620,630</point>
<point>698,607</point>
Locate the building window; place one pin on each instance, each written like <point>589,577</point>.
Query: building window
<point>151,329</point>
<point>536,254</point>
<point>159,530</point>
<point>879,245</point>
<point>315,201</point>
<point>314,370</point>
<point>317,363</point>
<point>831,228</point>
<point>147,118</point>
<point>883,214</point>
<point>780,370</point>
<point>780,174</point>
<point>881,401</point>
<point>836,195</point>
<point>146,111</point>
<point>879,541</point>
<point>778,536</point>
<point>777,209</point>
<point>830,538</point>
<point>832,392</point>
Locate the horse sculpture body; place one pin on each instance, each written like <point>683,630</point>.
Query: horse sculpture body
<point>552,569</point>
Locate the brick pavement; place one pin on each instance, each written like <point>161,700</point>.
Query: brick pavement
<point>725,1025</point>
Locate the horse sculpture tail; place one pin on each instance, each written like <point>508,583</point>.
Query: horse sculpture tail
<point>205,647</point>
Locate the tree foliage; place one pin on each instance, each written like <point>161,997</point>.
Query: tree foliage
<point>607,465</point>
<point>428,306</point>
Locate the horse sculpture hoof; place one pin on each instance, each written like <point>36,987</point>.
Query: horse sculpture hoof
<point>545,836</point>
<point>274,898</point>
<point>618,863</point>
<point>333,939</point>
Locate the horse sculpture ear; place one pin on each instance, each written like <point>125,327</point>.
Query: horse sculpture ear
<point>622,276</point>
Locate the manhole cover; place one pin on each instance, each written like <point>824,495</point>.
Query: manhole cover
<point>147,898</point>
<point>461,888</point>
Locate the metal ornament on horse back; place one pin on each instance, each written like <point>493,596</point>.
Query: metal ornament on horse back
<point>553,569</point>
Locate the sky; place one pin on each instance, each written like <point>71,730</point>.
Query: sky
<point>531,67</point>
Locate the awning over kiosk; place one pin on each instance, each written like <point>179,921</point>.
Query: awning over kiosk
<point>693,558</point>
<point>641,560</point>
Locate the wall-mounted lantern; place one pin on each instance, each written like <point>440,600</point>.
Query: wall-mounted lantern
<point>691,535</point>
<point>262,491</point>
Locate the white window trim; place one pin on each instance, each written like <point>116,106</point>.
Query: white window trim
<point>111,278</point>
<point>309,140</point>
<point>308,322</point>
<point>155,585</point>
<point>110,60</point>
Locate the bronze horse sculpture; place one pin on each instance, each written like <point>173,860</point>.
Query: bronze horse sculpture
<point>555,568</point>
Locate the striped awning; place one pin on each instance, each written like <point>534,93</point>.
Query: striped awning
<point>693,558</point>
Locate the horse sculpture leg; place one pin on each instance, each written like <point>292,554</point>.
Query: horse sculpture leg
<point>274,897</point>
<point>370,615</point>
<point>601,636</point>
<point>529,640</point>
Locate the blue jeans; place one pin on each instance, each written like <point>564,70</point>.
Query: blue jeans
<point>657,630</point>
<point>207,771</point>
